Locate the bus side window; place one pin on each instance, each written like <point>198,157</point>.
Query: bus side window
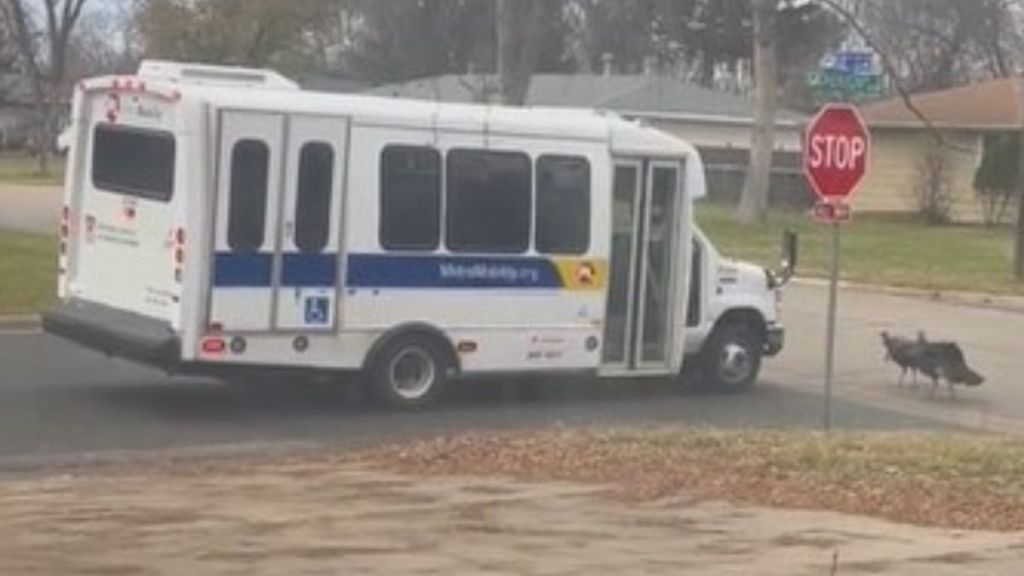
<point>488,201</point>
<point>247,210</point>
<point>410,198</point>
<point>313,202</point>
<point>563,205</point>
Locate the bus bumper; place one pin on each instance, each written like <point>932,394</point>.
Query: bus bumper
<point>775,340</point>
<point>114,332</point>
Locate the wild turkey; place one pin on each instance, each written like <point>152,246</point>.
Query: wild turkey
<point>905,353</point>
<point>945,360</point>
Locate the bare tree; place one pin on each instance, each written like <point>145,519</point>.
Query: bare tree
<point>932,188</point>
<point>754,203</point>
<point>935,44</point>
<point>44,57</point>
<point>518,27</point>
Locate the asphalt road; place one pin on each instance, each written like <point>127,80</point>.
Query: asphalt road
<point>991,338</point>
<point>57,400</point>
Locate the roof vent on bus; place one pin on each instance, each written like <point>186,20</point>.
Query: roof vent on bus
<point>208,74</point>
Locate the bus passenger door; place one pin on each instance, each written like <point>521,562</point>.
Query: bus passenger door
<point>248,181</point>
<point>642,287</point>
<point>310,222</point>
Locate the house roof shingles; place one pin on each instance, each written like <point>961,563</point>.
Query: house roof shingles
<point>631,95</point>
<point>991,105</point>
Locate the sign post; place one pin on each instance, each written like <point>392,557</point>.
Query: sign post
<point>837,146</point>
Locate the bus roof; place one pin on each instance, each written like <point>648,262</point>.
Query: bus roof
<point>265,90</point>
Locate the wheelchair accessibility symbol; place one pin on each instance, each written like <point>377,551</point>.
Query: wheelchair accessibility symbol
<point>317,311</point>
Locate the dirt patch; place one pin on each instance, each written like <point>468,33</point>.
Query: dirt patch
<point>324,513</point>
<point>962,482</point>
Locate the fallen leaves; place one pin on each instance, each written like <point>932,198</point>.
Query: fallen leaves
<point>965,482</point>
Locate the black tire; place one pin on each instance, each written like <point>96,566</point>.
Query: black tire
<point>731,358</point>
<point>408,371</point>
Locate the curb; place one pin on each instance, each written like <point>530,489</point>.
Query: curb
<point>973,299</point>
<point>938,410</point>
<point>20,322</point>
<point>72,462</point>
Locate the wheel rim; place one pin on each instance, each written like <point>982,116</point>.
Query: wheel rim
<point>734,364</point>
<point>412,373</point>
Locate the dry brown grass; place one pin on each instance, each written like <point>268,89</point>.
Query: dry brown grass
<point>965,482</point>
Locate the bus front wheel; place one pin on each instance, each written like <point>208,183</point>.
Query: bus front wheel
<point>408,371</point>
<point>731,358</point>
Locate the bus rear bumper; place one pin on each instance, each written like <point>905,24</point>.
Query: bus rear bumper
<point>114,332</point>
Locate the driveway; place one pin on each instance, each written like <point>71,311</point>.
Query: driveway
<point>30,208</point>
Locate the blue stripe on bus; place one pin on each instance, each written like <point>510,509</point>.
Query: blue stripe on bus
<point>256,270</point>
<point>231,270</point>
<point>390,271</point>
<point>310,270</point>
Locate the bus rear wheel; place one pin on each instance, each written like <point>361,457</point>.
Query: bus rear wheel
<point>408,372</point>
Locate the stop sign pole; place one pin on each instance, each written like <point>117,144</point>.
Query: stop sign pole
<point>837,147</point>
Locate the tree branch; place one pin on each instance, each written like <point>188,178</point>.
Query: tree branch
<point>890,70</point>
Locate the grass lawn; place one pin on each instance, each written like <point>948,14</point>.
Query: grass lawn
<point>890,250</point>
<point>21,168</point>
<point>953,481</point>
<point>28,272</point>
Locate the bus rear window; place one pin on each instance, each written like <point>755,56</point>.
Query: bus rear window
<point>133,162</point>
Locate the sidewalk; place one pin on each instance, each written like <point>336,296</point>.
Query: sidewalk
<point>30,208</point>
<point>309,514</point>
<point>1003,302</point>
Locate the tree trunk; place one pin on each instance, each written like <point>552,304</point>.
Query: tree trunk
<point>45,110</point>
<point>518,24</point>
<point>754,203</point>
<point>1018,245</point>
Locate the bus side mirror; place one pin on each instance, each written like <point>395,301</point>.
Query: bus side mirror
<point>789,257</point>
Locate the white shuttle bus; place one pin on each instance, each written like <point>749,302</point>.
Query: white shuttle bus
<point>220,219</point>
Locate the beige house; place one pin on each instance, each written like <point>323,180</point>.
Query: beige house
<point>903,146</point>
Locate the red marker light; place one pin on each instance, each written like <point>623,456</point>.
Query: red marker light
<point>179,256</point>
<point>179,236</point>
<point>214,346</point>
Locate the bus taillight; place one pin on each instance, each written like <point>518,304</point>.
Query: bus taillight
<point>179,253</point>
<point>65,229</point>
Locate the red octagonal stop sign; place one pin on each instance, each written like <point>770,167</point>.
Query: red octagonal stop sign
<point>836,149</point>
